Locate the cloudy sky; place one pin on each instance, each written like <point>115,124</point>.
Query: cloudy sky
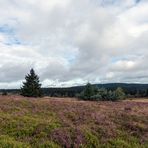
<point>71,42</point>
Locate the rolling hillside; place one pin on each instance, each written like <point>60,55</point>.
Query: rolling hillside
<point>70,123</point>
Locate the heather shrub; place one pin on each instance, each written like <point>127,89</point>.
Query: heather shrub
<point>118,143</point>
<point>8,142</point>
<point>122,143</point>
<point>48,144</point>
<point>56,123</point>
<point>92,140</point>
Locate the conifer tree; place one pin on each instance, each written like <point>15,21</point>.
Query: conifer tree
<point>88,92</point>
<point>119,94</point>
<point>31,87</point>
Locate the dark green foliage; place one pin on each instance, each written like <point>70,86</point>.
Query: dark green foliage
<point>92,93</point>
<point>131,90</point>
<point>32,86</point>
<point>146,93</point>
<point>4,93</point>
<point>88,92</point>
<point>119,94</point>
<point>103,93</point>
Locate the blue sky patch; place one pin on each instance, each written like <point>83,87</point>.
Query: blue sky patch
<point>9,32</point>
<point>6,29</point>
<point>137,1</point>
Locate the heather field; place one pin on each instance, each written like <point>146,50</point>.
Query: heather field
<point>69,123</point>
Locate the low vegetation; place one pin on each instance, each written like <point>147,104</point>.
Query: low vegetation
<point>57,123</point>
<point>92,93</point>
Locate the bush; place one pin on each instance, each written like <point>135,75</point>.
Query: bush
<point>4,93</point>
<point>102,94</point>
<point>96,97</point>
<point>88,92</point>
<point>119,94</point>
<point>8,142</point>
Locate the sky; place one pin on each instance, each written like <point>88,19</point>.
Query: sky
<point>72,42</point>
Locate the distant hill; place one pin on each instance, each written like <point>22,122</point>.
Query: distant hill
<point>129,88</point>
<point>132,86</point>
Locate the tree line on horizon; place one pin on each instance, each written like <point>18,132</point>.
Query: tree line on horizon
<point>32,88</point>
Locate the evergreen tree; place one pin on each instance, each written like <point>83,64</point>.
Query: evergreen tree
<point>119,94</point>
<point>147,93</point>
<point>88,92</point>
<point>103,93</point>
<point>31,87</point>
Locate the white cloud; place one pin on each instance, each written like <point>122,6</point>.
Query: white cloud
<point>124,65</point>
<point>71,42</point>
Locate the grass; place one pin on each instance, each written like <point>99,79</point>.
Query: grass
<point>55,123</point>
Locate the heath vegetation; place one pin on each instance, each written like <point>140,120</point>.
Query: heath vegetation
<point>70,123</point>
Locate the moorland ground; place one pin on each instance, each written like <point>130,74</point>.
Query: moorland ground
<point>70,123</point>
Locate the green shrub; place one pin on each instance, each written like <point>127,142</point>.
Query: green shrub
<point>92,140</point>
<point>119,94</point>
<point>48,144</point>
<point>4,93</point>
<point>8,142</point>
<point>92,93</point>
